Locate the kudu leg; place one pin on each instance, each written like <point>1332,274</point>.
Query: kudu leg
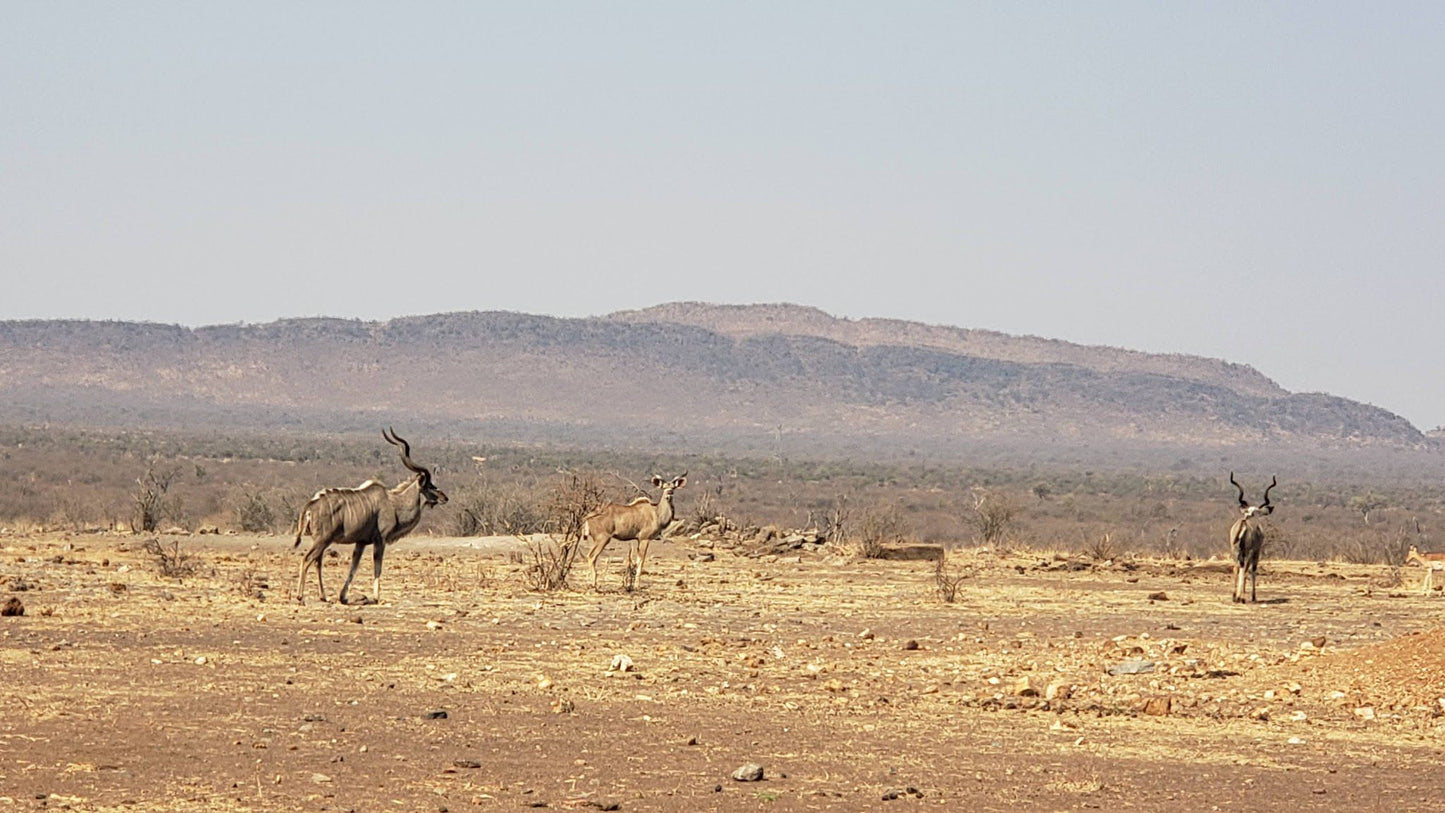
<point>597,545</point>
<point>376,556</point>
<point>314,557</point>
<point>301,579</point>
<point>356,552</point>
<point>641,558</point>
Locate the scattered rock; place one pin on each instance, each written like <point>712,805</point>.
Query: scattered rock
<point>1024,687</point>
<point>621,663</point>
<point>1134,667</point>
<point>1058,691</point>
<point>1158,706</point>
<point>466,763</point>
<point>1159,596</point>
<point>894,793</point>
<point>910,645</point>
<point>751,772</point>
<point>1365,712</point>
<point>436,715</point>
<point>703,557</point>
<point>12,607</point>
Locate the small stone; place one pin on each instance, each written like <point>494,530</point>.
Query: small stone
<point>751,772</point>
<point>1024,687</point>
<point>543,682</point>
<point>436,715</point>
<point>13,607</point>
<point>466,763</point>
<point>1159,596</point>
<point>866,635</point>
<point>910,645</point>
<point>1058,691</point>
<point>1158,706</point>
<point>1134,667</point>
<point>1365,712</point>
<point>320,778</point>
<point>621,663</point>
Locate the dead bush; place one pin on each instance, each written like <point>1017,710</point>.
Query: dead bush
<point>878,527</point>
<point>253,513</point>
<point>485,510</point>
<point>151,504</point>
<point>992,517</point>
<point>1102,548</point>
<point>548,559</point>
<point>170,561</point>
<point>948,577</point>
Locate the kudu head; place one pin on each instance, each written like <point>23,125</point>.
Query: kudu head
<point>1250,511</point>
<point>668,486</point>
<point>429,492</point>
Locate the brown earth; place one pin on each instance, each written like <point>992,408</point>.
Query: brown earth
<point>847,680</point>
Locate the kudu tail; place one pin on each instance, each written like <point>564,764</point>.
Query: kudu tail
<point>302,522</point>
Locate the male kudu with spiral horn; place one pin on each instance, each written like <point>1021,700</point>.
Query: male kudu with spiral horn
<point>370,514</point>
<point>1246,539</point>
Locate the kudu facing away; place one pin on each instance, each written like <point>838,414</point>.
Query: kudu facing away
<point>370,514</point>
<point>1246,539</point>
<point>638,522</point>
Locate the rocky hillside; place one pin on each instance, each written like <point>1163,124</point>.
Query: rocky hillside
<point>687,373</point>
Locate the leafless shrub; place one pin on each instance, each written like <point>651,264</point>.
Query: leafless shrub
<point>1102,548</point>
<point>878,527</point>
<point>484,510</point>
<point>992,517</point>
<point>252,583</point>
<point>254,513</point>
<point>170,560</point>
<point>150,496</point>
<point>548,559</point>
<point>836,523</point>
<point>949,577</point>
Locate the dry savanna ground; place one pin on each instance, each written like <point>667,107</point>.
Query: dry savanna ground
<point>849,681</point>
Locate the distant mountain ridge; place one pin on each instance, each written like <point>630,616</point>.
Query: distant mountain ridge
<point>692,372</point>
<point>797,320</point>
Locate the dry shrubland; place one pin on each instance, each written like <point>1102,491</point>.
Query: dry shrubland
<point>77,480</point>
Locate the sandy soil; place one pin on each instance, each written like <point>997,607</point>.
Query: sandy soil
<point>849,681</point>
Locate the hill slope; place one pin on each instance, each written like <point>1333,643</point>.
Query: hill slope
<point>688,371</point>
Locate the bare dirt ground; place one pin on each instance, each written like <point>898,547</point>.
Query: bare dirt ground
<point>849,681</point>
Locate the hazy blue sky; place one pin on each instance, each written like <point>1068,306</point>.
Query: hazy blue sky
<point>1256,181</point>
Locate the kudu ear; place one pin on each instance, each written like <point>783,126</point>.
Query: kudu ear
<point>656,481</point>
<point>680,481</point>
